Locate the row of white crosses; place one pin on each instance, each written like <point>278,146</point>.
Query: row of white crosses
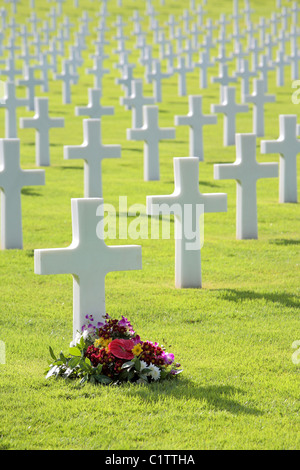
<point>77,259</point>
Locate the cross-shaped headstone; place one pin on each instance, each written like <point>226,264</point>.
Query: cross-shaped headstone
<point>42,123</point>
<point>264,67</point>
<point>136,102</point>
<point>223,79</point>
<point>288,146</point>
<point>92,151</point>
<point>98,71</point>
<point>126,79</point>
<point>67,78</point>
<point>88,259</point>
<point>203,63</point>
<point>230,109</point>
<point>30,82</point>
<point>280,63</point>
<point>12,180</point>
<point>10,71</point>
<point>245,74</point>
<point>187,204</point>
<point>182,70</point>
<point>94,109</point>
<point>196,120</point>
<point>157,75</point>
<point>246,171</point>
<point>151,134</point>
<point>259,98</point>
<point>10,102</point>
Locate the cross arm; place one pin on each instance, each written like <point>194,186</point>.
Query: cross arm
<point>33,177</point>
<point>271,146</point>
<point>54,261</point>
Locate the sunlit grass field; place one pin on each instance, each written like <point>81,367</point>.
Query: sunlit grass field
<point>239,388</point>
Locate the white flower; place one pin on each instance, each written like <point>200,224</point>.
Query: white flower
<point>144,365</point>
<point>76,340</point>
<point>154,372</point>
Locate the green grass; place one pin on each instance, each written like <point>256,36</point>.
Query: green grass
<point>233,337</point>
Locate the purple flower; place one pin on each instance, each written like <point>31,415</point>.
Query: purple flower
<point>124,322</point>
<point>168,358</point>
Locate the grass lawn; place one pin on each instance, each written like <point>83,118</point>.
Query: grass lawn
<point>233,337</point>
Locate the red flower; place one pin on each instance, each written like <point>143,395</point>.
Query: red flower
<point>121,348</point>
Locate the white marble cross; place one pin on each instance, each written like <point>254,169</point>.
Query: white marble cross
<point>10,102</point>
<point>204,63</point>
<point>67,78</point>
<point>12,180</point>
<point>92,151</point>
<point>88,259</point>
<point>136,102</point>
<point>246,171</point>
<point>280,63</point>
<point>30,82</point>
<point>156,76</point>
<point>264,67</point>
<point>182,69</point>
<point>187,204</point>
<point>245,74</point>
<point>151,134</point>
<point>288,146</point>
<point>42,123</point>
<point>98,71</point>
<point>223,79</point>
<point>195,120</point>
<point>94,109</point>
<point>230,109</point>
<point>259,98</point>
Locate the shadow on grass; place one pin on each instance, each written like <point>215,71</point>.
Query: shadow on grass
<point>235,295</point>
<point>284,242</point>
<point>29,192</point>
<point>218,397</point>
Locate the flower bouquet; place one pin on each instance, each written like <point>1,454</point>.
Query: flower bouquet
<point>112,353</point>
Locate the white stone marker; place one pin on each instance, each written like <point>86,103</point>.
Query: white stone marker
<point>230,109</point>
<point>42,123</point>
<point>10,102</point>
<point>93,152</point>
<point>182,70</point>
<point>288,146</point>
<point>157,75</point>
<point>280,63</point>
<point>186,203</point>
<point>151,134</point>
<point>98,71</point>
<point>246,171</point>
<point>245,74</point>
<point>196,120</point>
<point>223,79</point>
<point>136,102</point>
<point>94,109</point>
<point>12,180</point>
<point>88,259</point>
<point>67,78</point>
<point>259,98</point>
<point>30,82</point>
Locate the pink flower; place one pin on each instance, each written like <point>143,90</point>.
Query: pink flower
<point>121,348</point>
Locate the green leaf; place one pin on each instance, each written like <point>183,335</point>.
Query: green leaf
<point>75,352</point>
<point>62,357</point>
<point>103,379</point>
<point>52,353</point>
<point>137,364</point>
<point>73,362</point>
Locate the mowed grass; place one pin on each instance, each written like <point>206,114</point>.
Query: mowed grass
<point>233,337</point>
